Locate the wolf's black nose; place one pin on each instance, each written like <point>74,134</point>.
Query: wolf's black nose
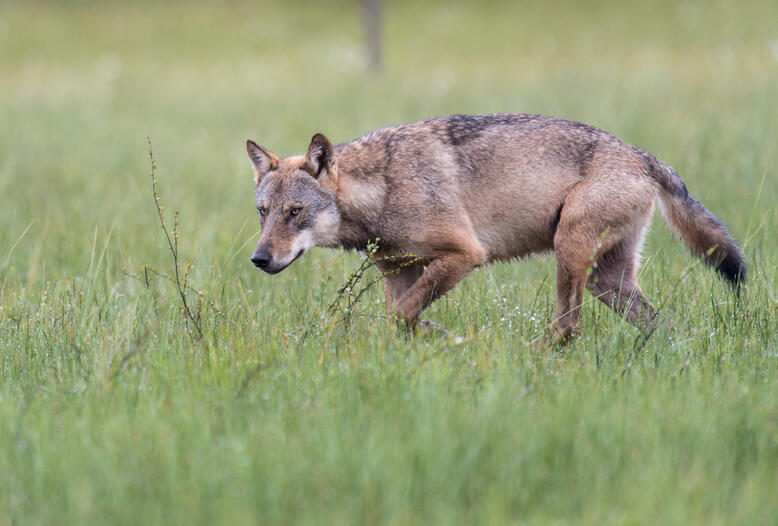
<point>261,259</point>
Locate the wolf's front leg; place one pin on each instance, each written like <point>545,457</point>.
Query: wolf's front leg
<point>440,276</point>
<point>398,278</point>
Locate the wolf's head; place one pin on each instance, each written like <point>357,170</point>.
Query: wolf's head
<point>295,202</point>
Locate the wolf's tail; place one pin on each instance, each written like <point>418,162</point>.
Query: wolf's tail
<point>702,232</point>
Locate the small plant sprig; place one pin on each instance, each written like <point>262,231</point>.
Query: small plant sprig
<point>192,316</point>
<point>350,293</point>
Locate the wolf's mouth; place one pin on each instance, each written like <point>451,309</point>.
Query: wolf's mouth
<point>277,270</point>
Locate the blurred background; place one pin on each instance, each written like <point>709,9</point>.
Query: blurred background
<point>83,83</point>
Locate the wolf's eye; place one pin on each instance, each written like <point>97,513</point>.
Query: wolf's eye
<point>262,211</point>
<point>294,211</point>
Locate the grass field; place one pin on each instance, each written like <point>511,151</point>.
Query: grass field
<point>113,412</point>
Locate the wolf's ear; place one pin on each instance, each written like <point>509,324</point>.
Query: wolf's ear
<point>320,155</point>
<point>261,160</point>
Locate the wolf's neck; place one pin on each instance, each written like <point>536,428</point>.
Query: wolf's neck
<point>361,194</point>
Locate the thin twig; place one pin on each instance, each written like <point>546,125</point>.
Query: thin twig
<point>172,245</point>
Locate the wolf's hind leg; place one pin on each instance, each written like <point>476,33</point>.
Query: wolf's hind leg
<point>595,219</point>
<point>614,282</point>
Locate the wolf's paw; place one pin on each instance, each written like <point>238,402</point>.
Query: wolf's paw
<point>561,336</point>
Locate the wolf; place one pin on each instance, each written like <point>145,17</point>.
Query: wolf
<point>461,191</point>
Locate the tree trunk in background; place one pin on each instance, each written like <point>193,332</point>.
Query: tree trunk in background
<point>371,12</point>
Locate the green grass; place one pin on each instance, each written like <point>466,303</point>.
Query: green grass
<point>110,412</point>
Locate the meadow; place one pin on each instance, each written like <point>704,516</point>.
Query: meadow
<point>113,410</point>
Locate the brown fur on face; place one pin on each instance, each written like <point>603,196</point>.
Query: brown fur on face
<point>462,191</point>
<point>296,207</point>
